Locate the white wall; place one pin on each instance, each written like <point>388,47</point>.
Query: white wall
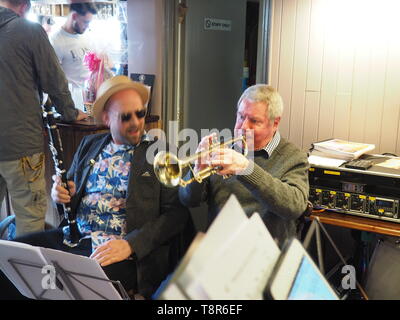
<point>337,65</point>
<point>145,43</point>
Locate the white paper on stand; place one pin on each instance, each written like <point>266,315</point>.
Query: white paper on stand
<point>14,252</point>
<point>172,292</point>
<point>242,266</point>
<point>23,265</point>
<point>84,268</point>
<point>230,218</point>
<point>233,260</point>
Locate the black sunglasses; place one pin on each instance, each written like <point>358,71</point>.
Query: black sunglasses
<point>125,117</point>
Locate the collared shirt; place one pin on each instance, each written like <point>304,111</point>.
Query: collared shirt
<point>103,208</point>
<point>271,146</point>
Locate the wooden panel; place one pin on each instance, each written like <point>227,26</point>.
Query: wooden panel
<point>299,72</point>
<point>358,223</point>
<point>390,117</point>
<point>153,125</point>
<point>316,46</point>
<point>314,74</point>
<point>286,61</point>
<point>73,133</point>
<point>275,43</point>
<point>359,94</point>
<point>328,90</point>
<point>341,126</point>
<point>311,119</point>
<point>376,88</point>
<point>341,121</point>
<point>352,88</point>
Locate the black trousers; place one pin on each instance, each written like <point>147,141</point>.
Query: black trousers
<point>124,271</point>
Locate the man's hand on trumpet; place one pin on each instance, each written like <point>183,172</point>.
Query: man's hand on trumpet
<point>204,145</point>
<point>228,161</point>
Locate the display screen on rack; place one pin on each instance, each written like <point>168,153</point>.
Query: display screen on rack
<point>309,285</point>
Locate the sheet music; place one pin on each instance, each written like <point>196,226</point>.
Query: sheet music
<point>172,292</point>
<point>325,161</point>
<point>234,260</point>
<point>23,263</point>
<point>166,293</point>
<point>242,266</point>
<point>20,252</point>
<point>89,268</point>
<point>230,219</point>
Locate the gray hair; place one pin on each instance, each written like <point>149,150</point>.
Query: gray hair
<point>268,95</point>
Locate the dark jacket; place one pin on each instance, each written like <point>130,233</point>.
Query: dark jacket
<point>155,216</point>
<point>28,64</point>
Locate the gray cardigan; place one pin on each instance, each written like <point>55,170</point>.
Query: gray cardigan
<point>277,189</point>
<point>28,64</point>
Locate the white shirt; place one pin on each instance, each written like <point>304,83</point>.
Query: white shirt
<point>70,50</point>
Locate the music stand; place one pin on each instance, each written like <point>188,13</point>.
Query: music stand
<point>74,277</point>
<point>315,228</point>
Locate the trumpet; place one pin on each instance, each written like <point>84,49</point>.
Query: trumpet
<point>169,169</point>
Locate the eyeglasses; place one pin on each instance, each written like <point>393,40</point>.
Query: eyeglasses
<point>125,117</point>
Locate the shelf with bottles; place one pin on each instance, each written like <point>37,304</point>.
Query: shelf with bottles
<point>59,8</point>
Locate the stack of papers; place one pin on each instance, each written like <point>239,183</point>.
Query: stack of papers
<point>340,149</point>
<point>233,260</point>
<point>325,162</point>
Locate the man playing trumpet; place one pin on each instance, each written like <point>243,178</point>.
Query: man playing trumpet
<point>274,183</point>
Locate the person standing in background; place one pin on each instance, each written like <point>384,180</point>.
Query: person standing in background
<point>71,44</point>
<point>28,65</point>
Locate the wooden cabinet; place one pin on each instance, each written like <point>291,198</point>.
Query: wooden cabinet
<point>71,136</point>
<point>73,133</point>
<point>60,8</point>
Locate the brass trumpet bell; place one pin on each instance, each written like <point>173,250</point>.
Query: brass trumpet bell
<point>169,169</point>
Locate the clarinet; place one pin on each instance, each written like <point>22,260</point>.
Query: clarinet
<point>72,234</point>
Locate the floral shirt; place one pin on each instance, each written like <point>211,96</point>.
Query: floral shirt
<point>103,208</point>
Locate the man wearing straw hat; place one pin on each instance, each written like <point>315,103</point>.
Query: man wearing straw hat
<point>117,196</point>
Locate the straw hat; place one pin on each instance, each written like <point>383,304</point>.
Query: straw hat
<point>114,85</point>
